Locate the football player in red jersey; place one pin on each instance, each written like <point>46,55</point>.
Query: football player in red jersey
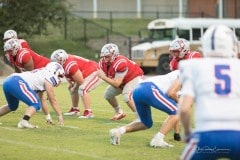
<point>9,34</point>
<point>179,49</point>
<point>122,75</point>
<point>81,74</point>
<point>24,59</point>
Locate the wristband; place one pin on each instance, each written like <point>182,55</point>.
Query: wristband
<point>48,116</point>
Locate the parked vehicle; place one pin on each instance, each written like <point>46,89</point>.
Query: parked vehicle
<point>152,54</point>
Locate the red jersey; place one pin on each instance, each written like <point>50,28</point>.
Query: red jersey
<point>24,43</point>
<point>23,56</point>
<point>175,60</point>
<point>120,64</point>
<point>73,63</point>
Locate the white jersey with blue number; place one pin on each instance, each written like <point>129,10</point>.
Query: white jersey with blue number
<point>37,77</point>
<point>214,83</point>
<point>163,82</point>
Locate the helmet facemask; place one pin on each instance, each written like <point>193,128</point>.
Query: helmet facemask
<point>60,56</point>
<point>179,48</point>
<point>12,45</point>
<point>110,50</point>
<point>57,70</point>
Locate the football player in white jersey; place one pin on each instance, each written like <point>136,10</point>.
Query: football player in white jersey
<point>212,84</point>
<point>159,92</point>
<point>24,87</point>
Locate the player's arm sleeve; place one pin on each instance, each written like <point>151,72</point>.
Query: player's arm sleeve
<point>29,65</point>
<point>197,55</point>
<point>173,65</point>
<point>27,61</point>
<point>121,74</point>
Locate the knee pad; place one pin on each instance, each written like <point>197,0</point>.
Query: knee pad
<point>108,95</point>
<point>111,93</point>
<point>126,98</point>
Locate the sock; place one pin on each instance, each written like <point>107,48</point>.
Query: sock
<point>160,135</point>
<point>75,107</point>
<point>122,130</point>
<point>118,109</point>
<point>26,117</point>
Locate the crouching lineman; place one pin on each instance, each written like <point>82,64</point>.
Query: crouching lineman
<point>122,75</point>
<point>24,87</point>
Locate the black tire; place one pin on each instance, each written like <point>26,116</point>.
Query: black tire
<point>147,70</point>
<point>163,65</point>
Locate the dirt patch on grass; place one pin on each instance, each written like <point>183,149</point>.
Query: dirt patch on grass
<point>5,69</point>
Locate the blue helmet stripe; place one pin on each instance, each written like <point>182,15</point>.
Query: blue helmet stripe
<point>213,39</point>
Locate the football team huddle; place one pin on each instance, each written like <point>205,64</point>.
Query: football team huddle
<point>208,81</point>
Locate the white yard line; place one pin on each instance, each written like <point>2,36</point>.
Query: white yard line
<point>60,150</point>
<point>75,127</point>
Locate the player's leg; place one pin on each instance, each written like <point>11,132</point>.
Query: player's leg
<point>90,83</point>
<point>163,103</point>
<point>12,102</point>
<point>127,95</point>
<point>74,110</point>
<point>21,91</point>
<point>110,95</point>
<point>144,111</point>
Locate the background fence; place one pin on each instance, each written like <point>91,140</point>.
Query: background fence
<point>95,35</point>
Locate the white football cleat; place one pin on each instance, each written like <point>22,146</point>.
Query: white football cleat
<point>25,124</point>
<point>158,142</point>
<point>115,136</point>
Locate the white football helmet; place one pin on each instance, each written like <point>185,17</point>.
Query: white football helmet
<point>12,45</point>
<point>57,70</point>
<point>108,49</point>
<point>59,56</point>
<point>179,46</point>
<point>219,41</point>
<point>10,34</point>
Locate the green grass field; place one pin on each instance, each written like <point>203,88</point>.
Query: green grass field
<point>85,139</point>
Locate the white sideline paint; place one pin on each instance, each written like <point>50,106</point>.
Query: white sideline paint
<point>110,123</point>
<point>70,126</point>
<point>52,149</point>
<point>17,129</point>
<point>11,129</point>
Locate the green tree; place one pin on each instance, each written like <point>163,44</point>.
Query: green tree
<point>31,16</point>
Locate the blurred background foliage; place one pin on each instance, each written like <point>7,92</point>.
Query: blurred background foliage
<point>31,17</point>
<point>48,25</point>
